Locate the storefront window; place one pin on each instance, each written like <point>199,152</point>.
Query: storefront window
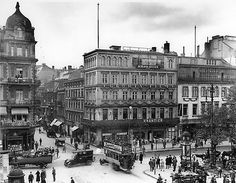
<point>105,114</point>
<point>144,112</point>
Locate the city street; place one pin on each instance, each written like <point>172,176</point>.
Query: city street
<point>105,173</point>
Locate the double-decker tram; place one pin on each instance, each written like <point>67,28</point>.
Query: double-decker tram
<point>120,155</point>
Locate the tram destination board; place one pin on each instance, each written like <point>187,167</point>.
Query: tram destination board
<point>124,148</point>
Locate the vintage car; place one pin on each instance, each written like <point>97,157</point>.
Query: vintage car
<point>80,157</point>
<point>60,141</point>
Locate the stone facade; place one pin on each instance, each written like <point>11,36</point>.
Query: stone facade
<point>17,82</point>
<point>132,90</point>
<point>195,78</point>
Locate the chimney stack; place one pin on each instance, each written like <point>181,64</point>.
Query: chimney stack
<point>167,47</point>
<point>198,49</point>
<point>183,51</point>
<point>53,67</point>
<point>69,67</point>
<point>154,49</point>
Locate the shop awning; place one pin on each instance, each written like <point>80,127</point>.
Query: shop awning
<point>19,111</point>
<point>58,123</point>
<point>74,128</point>
<point>53,122</point>
<point>3,111</point>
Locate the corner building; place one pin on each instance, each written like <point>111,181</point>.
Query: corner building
<point>130,90</point>
<point>17,83</point>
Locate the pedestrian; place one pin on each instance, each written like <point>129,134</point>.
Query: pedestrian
<point>162,164</point>
<point>143,150</point>
<point>219,171</point>
<point>72,180</point>
<point>167,162</point>
<point>54,174</point>
<point>76,146</point>
<point>43,176</point>
<point>36,145</point>
<point>40,141</point>
<point>141,157</point>
<point>39,130</point>
<point>174,163</point>
<point>151,146</point>
<point>71,140</point>
<point>159,179</point>
<point>158,162</point>
<point>64,148</point>
<point>150,164</point>
<point>232,177</point>
<point>196,146</point>
<point>164,143</point>
<point>154,168</point>
<point>37,176</point>
<point>30,177</point>
<point>57,151</point>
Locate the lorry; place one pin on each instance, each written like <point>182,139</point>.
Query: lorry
<point>31,158</point>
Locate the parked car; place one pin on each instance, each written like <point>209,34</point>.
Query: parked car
<point>60,141</point>
<point>80,157</point>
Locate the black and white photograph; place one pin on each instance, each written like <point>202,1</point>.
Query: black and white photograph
<point>117,91</point>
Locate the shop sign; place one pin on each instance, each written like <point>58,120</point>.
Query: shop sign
<point>153,120</point>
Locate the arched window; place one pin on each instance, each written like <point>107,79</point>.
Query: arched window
<point>103,60</point>
<point>125,62</point>
<point>114,61</point>
<point>109,60</point>
<point>120,61</point>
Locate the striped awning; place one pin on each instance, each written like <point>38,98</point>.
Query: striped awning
<point>74,128</point>
<point>3,111</point>
<point>58,123</point>
<point>53,122</point>
<point>19,111</point>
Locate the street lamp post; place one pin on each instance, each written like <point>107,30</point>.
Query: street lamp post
<point>186,151</point>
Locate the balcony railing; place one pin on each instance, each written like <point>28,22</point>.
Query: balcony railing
<point>191,80</point>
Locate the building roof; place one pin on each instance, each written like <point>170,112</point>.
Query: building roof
<point>18,19</point>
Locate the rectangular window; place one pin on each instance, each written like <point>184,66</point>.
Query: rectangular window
<point>153,95</point>
<point>19,96</point>
<point>114,79</point>
<point>194,91</point>
<point>105,95</point>
<point>144,79</point>
<point>203,92</point>
<point>161,95</point>
<point>170,79</point>
<point>104,78</point>
<point>125,78</point>
<point>224,92</point>
<point>26,52</point>
<point>144,113</point>
<point>125,113</point>
<point>170,95</point>
<point>135,95</point>
<point>180,110</point>
<point>185,109</point>
<point>194,109</point>
<point>134,79</point>
<point>115,114</point>
<point>162,113</point>
<point>115,95</point>
<point>105,114</point>
<point>203,107</point>
<point>19,52</point>
<point>144,95</point>
<point>185,91</point>
<point>135,113</point>
<point>19,73</point>
<point>153,113</point>
<point>125,95</point>
<point>152,82</point>
<point>12,51</point>
<point>170,112</point>
<point>162,79</point>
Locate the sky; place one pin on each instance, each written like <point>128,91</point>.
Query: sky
<point>66,29</point>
